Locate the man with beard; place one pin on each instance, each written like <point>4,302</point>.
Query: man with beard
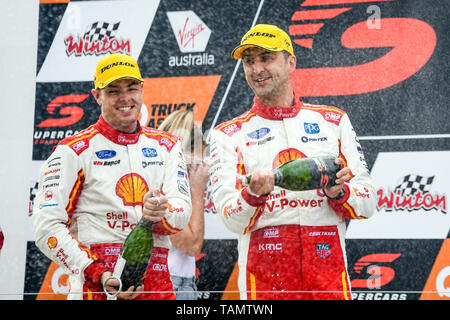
<point>291,243</point>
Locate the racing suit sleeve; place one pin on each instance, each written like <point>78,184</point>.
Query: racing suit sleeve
<point>359,200</point>
<point>238,209</point>
<point>60,183</point>
<point>176,189</point>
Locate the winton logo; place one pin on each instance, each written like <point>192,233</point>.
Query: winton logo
<point>99,39</point>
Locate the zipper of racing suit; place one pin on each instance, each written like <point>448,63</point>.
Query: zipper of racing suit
<point>291,144</point>
<point>132,154</point>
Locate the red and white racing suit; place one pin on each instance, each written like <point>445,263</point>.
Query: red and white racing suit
<point>289,241</point>
<point>90,197</point>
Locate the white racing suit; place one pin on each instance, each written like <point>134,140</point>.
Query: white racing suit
<point>90,197</point>
<point>289,241</point>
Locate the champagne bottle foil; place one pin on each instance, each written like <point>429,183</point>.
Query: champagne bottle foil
<point>277,177</point>
<point>146,223</point>
<point>323,172</point>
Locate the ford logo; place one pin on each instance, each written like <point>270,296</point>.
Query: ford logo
<point>258,134</point>
<point>105,154</point>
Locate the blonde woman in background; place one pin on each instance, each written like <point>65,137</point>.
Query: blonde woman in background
<point>187,243</point>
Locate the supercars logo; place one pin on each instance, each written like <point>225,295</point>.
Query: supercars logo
<point>131,189</point>
<point>56,108</point>
<point>62,111</point>
<point>379,275</point>
<point>410,44</point>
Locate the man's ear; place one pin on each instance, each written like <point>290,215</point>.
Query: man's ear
<point>96,95</point>
<point>292,60</point>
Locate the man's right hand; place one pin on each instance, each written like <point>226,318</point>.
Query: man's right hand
<point>261,183</point>
<point>111,285</point>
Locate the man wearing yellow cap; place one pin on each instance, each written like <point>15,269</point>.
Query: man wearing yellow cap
<point>291,243</point>
<point>96,185</point>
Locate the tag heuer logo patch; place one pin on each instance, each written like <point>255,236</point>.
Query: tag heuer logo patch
<point>323,250</point>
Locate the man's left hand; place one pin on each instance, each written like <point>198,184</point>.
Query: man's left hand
<point>342,176</point>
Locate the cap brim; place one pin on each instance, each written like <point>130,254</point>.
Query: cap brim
<point>105,84</point>
<point>237,52</point>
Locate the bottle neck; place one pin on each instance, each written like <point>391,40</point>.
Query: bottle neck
<point>277,176</point>
<point>146,223</point>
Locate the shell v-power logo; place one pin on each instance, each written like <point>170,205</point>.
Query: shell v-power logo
<point>407,43</point>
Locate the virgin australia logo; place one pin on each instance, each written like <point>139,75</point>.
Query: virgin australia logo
<point>192,36</point>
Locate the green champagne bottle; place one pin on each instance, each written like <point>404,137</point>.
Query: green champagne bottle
<point>305,174</point>
<point>135,255</point>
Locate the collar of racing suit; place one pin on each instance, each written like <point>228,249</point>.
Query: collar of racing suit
<point>276,113</point>
<point>116,136</point>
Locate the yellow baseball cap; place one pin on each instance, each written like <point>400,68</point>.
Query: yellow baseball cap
<point>113,67</point>
<point>265,36</point>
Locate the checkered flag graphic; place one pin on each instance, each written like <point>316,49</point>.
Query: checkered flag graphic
<point>98,30</point>
<point>412,183</point>
<point>33,190</point>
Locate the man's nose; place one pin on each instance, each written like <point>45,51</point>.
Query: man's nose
<point>123,95</point>
<point>258,67</point>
